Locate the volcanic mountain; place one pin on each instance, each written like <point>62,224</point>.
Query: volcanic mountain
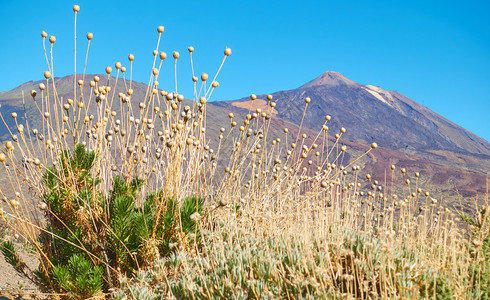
<point>452,160</point>
<point>371,114</point>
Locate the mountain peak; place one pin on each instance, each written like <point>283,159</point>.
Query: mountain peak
<point>330,78</point>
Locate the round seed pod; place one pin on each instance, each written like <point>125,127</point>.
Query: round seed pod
<point>253,97</point>
<point>343,148</point>
<point>130,92</point>
<point>52,39</point>
<point>204,77</point>
<point>160,29</point>
<point>307,100</point>
<point>131,57</point>
<point>328,118</point>
<point>108,70</point>
<point>273,104</point>
<point>33,93</point>
<point>286,130</point>
<point>163,55</point>
<point>417,174</point>
<point>14,115</point>
<point>231,115</point>
<point>176,54</point>
<point>202,100</point>
<point>42,86</point>
<point>2,157</point>
<point>96,78</point>
<point>80,82</point>
<point>194,78</point>
<point>227,52</point>
<point>215,84</point>
<point>342,130</point>
<point>76,8</point>
<point>374,146</point>
<point>47,74</point>
<point>403,170</point>
<point>90,36</point>
<point>191,49</point>
<point>118,65</point>
<point>368,176</point>
<point>269,97</point>
<point>9,146</point>
<point>155,71</point>
<point>393,167</point>
<point>123,69</point>
<point>44,34</point>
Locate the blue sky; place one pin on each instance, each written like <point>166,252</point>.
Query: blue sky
<point>435,52</point>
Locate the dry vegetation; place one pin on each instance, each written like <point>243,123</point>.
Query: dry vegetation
<point>144,204</point>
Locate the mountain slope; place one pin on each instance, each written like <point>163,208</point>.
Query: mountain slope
<point>372,114</point>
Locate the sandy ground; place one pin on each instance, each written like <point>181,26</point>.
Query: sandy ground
<point>12,284</point>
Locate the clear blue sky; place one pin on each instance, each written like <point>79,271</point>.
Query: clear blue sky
<point>435,52</point>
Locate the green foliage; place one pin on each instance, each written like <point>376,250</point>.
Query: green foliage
<point>79,277</point>
<point>86,232</point>
<point>8,250</point>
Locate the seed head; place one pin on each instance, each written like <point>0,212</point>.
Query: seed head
<point>227,52</point>
<point>176,54</point>
<point>118,65</point>
<point>52,39</point>
<point>14,115</point>
<point>160,29</point>
<point>307,100</point>
<point>108,70</point>
<point>90,36</point>
<point>204,76</point>
<point>403,170</point>
<point>342,130</point>
<point>343,148</point>
<point>2,157</point>
<point>253,97</point>
<point>215,84</point>
<point>47,74</point>
<point>131,57</point>
<point>202,100</point>
<point>33,93</point>
<point>155,71</point>
<point>9,145</point>
<point>76,8</point>
<point>393,167</point>
<point>328,118</point>
<point>374,146</point>
<point>417,174</point>
<point>44,34</point>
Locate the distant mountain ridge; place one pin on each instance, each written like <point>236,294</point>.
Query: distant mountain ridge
<point>372,114</point>
<point>452,160</point>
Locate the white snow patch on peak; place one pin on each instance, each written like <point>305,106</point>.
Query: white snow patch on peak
<point>376,89</point>
<point>380,94</point>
